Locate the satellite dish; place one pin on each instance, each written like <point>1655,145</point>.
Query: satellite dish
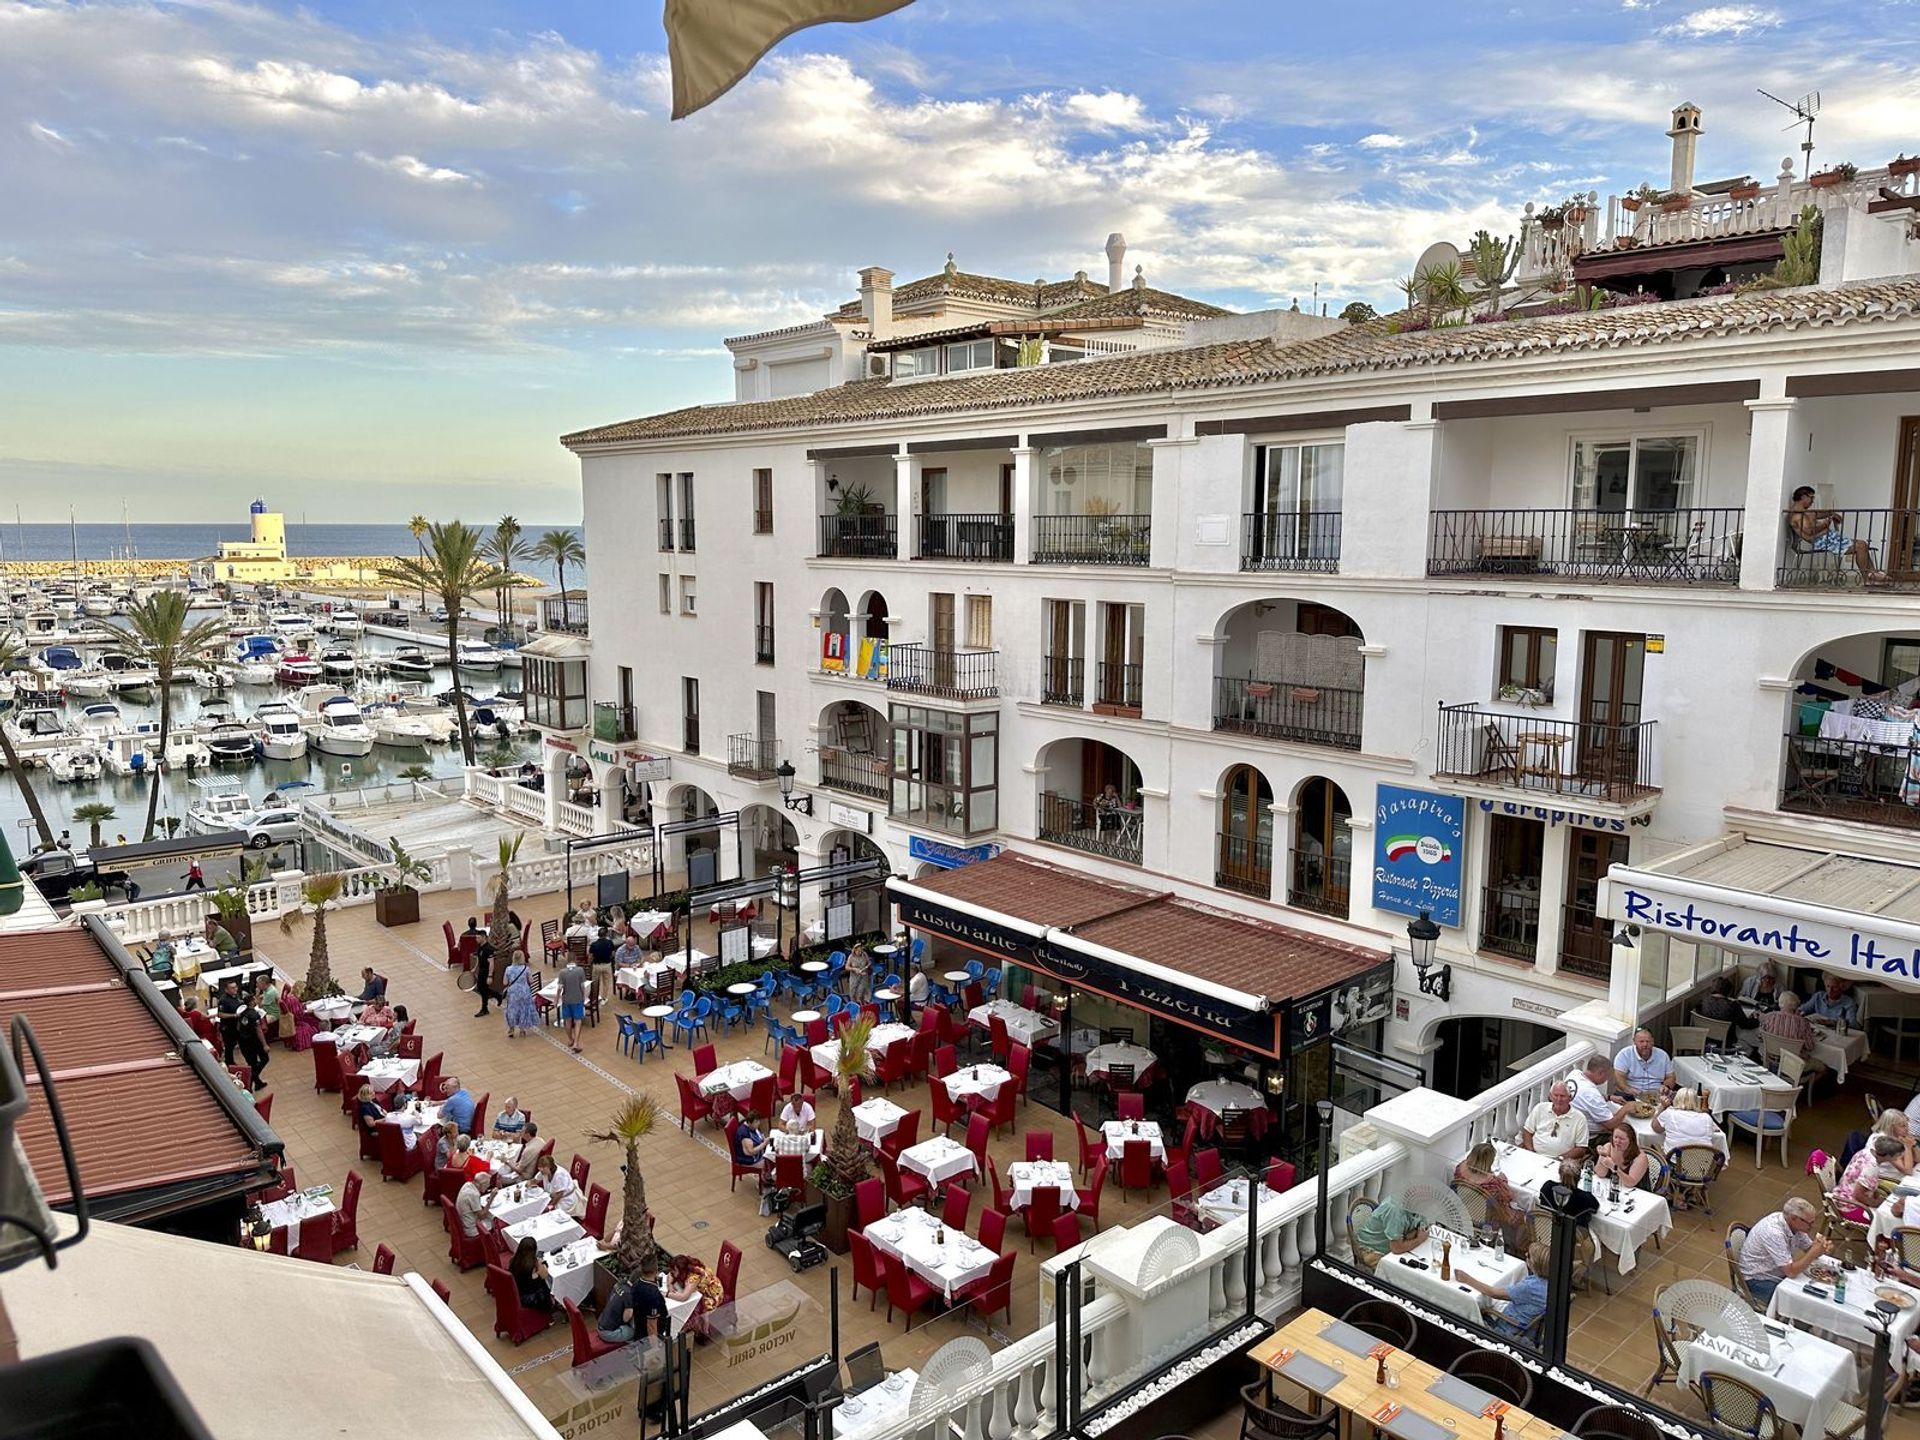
<point>1437,256</point>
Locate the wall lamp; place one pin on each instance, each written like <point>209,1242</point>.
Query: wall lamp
<point>799,804</point>
<point>1422,936</point>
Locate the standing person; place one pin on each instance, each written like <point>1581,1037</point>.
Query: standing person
<point>196,877</point>
<point>573,999</point>
<point>230,1007</point>
<point>601,951</point>
<point>521,1012</point>
<point>253,1045</point>
<point>482,979</point>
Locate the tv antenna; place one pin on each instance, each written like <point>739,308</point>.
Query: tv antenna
<point>1804,110</point>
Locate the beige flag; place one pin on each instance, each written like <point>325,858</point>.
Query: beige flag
<point>714,43</point>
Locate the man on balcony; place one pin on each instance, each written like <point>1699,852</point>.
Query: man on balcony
<point>1642,1068</point>
<point>1820,530</point>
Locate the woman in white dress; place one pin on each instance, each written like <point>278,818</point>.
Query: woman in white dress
<point>562,1194</point>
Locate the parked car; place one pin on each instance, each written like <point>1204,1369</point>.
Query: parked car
<point>57,873</point>
<point>271,827</point>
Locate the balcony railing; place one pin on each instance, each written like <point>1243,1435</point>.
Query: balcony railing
<point>567,614</point>
<point>966,537</point>
<point>1244,864</point>
<point>1586,942</point>
<point>1091,539</point>
<point>1063,680</point>
<point>945,674</point>
<point>1630,547</point>
<point>1119,685</point>
<point>1574,758</point>
<point>1510,919</point>
<point>1281,710</point>
<point>686,532</point>
<point>666,532</point>
<point>1112,832</point>
<point>1852,547</point>
<point>616,724</point>
<point>690,733</point>
<point>854,773</point>
<point>763,644</point>
<point>1848,780</point>
<point>859,537</point>
<point>1291,540</point>
<point>752,757</point>
<point>1320,883</point>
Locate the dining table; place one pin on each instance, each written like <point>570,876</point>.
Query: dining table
<point>1213,1098</point>
<point>1118,1132</point>
<point>877,1118</point>
<point>1026,1176</point>
<point>880,1039</point>
<point>878,1407</point>
<point>333,1009</point>
<point>981,1080</point>
<point>570,1269</point>
<point>381,1073</point>
<point>1228,1202</point>
<point>1655,1142</point>
<point>1804,1374</point>
<point>1835,1050</point>
<point>1418,1272</point>
<point>946,1258</point>
<point>347,1036</point>
<point>1620,1227</point>
<point>939,1160</point>
<point>1024,1026</point>
<point>510,1204</point>
<point>649,973</point>
<point>1855,1323</point>
<point>1897,1210</point>
<point>551,1230</point>
<point>1101,1057</point>
<point>287,1213</point>
<point>651,924</point>
<point>1727,1081</point>
<point>737,1079</point>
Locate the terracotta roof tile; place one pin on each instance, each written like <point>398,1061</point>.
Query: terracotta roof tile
<point>1144,300</point>
<point>1371,347</point>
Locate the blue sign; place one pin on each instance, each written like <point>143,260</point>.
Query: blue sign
<point>1418,838</point>
<point>948,857</point>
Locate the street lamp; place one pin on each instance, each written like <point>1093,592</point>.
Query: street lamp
<point>1422,936</point>
<point>801,804</point>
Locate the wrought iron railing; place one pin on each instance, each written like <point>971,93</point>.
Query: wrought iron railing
<point>666,532</point>
<point>1833,548</point>
<point>567,614</point>
<point>752,756</point>
<point>947,674</point>
<point>1112,832</point>
<point>1291,540</point>
<point>1119,684</point>
<point>1320,882</point>
<point>1281,710</point>
<point>615,723</point>
<point>859,537</point>
<point>1655,547</point>
<point>854,773</point>
<point>686,532</point>
<point>1245,864</point>
<point>1586,946</point>
<point>1850,780</point>
<point>1590,760</point>
<point>1510,919</point>
<point>1091,539</point>
<point>1063,680</point>
<point>763,644</point>
<point>966,537</point>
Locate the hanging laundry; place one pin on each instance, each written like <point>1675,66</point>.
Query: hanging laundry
<point>1819,692</point>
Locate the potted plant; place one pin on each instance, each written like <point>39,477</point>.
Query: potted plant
<point>1839,174</point>
<point>316,893</point>
<point>1576,212</point>
<point>845,1165</point>
<point>1903,164</point>
<point>854,499</point>
<point>1551,217</point>
<point>396,899</point>
<point>633,1122</point>
<point>1674,201</point>
<point>1745,188</point>
<point>230,903</point>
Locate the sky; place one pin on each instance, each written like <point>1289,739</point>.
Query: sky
<point>374,258</point>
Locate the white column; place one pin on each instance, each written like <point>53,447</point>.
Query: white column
<point>903,503</point>
<point>1280,852</point>
<point>1771,430</point>
<point>1023,505</point>
<point>1163,546</point>
<point>1553,890</point>
<point>1360,870</point>
<point>553,766</point>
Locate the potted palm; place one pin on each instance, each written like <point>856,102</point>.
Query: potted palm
<point>93,814</point>
<point>632,1122</point>
<point>846,1162</point>
<point>396,901</point>
<point>230,903</point>
<point>500,921</point>
<point>316,893</point>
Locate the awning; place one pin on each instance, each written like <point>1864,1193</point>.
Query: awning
<point>1738,250</point>
<point>558,645</point>
<point>1805,905</point>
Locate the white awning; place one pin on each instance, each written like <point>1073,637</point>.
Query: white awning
<point>1857,915</point>
<point>376,1344</point>
<point>558,645</point>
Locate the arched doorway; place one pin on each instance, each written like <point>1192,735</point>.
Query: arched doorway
<point>769,839</point>
<point>835,633</point>
<point>1090,799</point>
<point>700,848</point>
<point>1841,752</point>
<point>1244,852</point>
<point>1290,670</point>
<point>1322,874</point>
<point>868,898</point>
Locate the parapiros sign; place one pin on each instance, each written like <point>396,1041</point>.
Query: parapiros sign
<point>1579,819</point>
<point>1417,840</point>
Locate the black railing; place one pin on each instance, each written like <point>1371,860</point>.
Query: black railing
<point>1291,540</point>
<point>1659,547</point>
<point>1063,680</point>
<point>752,756</point>
<point>1574,758</point>
<point>853,773</point>
<point>1586,942</point>
<point>614,723</point>
<point>1849,780</point>
<point>567,614</point>
<point>1091,539</point>
<point>1119,685</point>
<point>1244,864</point>
<point>860,537</point>
<point>1320,883</point>
<point>763,644</point>
<point>690,733</point>
<point>1113,832</point>
<point>1281,710</point>
<point>686,532</point>
<point>948,674</point>
<point>762,521</point>
<point>966,537</point>
<point>1510,918</point>
<point>666,532</point>
<point>1829,548</point>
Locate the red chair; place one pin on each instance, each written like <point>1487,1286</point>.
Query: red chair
<point>1040,1213</point>
<point>463,1249</point>
<point>315,1241</point>
<point>1131,1105</point>
<point>1001,1200</point>
<point>904,1136</point>
<point>869,1201</point>
<point>906,1291</point>
<point>790,1056</point>
<point>440,1184</point>
<point>1066,1231</point>
<point>704,1060</point>
<point>735,1168</point>
<point>999,1110</point>
<point>904,1188</point>
<point>369,1137</point>
<point>990,1296</point>
<point>998,1040</point>
<point>1179,1179</point>
<point>978,1128</point>
<point>430,1074</point>
<point>1279,1176</point>
<point>894,1065</point>
<point>993,1229</point>
<point>855,1090</point>
<point>945,1061</point>
<point>398,1160</point>
<point>595,1223</point>
<point>277,1245</point>
<point>816,1033</point>
<point>1019,1064</point>
<point>440,1289</point>
<point>1207,1169</point>
<point>1040,1144</point>
<point>587,1344</point>
<point>1090,1194</point>
<point>728,1270</point>
<point>790,1173</point>
<point>579,1170</point>
<point>453,945</point>
<point>478,1128</point>
<point>326,1067</point>
<point>763,1099</point>
<point>510,1317</point>
<point>346,1220</point>
<point>493,1247</point>
<point>921,1052</point>
<point>382,1260</point>
<point>946,1109</point>
<point>1189,1132</point>
<point>244,1074</point>
<point>1136,1166</point>
<point>693,1105</point>
<point>265,1106</point>
<point>412,1047</point>
<point>866,1267</point>
<point>954,1213</point>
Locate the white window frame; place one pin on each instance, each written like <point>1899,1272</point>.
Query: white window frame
<point>972,349</point>
<point>1631,436</point>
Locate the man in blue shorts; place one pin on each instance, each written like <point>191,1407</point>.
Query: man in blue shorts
<point>573,999</point>
<point>1821,530</point>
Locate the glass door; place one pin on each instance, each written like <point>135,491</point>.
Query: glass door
<point>1612,668</point>
<point>1586,941</point>
<point>1903,525</point>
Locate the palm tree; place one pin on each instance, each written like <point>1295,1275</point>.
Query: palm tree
<point>636,1254</point>
<point>845,1155</point>
<point>417,527</point>
<point>12,650</point>
<point>560,548</point>
<point>453,567</point>
<point>316,893</point>
<point>500,925</point>
<point>94,813</point>
<point>160,638</point>
<point>504,552</point>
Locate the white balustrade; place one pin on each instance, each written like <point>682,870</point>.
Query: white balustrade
<point>1504,1107</point>
<point>485,789</point>
<point>525,803</point>
<point>574,819</point>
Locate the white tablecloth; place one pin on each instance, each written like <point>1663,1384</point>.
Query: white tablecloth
<point>381,1072</point>
<point>1027,1027</point>
<point>1885,1222</point>
<point>940,1159</point>
<point>281,1214</point>
<point>649,973</point>
<point>1837,1051</point>
<point>736,1079</point>
<point>502,1205</point>
<point>1118,1132</point>
<point>1650,1139</point>
<point>876,1407</point>
<point>1138,1056</point>
<point>1221,1095</point>
<point>350,1035</point>
<point>1227,1202</point>
<point>982,1080</point>
<point>570,1270</point>
<point>1621,1227</point>
<point>910,1235</point>
<point>827,1053</point>
<point>1490,1266</point>
<point>1733,1083</point>
<point>1026,1176</point>
<point>501,1154</point>
<point>1813,1373</point>
<point>550,1231</point>
<point>877,1118</point>
<point>1848,1323</point>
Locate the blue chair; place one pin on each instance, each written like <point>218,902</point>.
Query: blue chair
<point>626,1024</point>
<point>976,969</point>
<point>691,1020</point>
<point>645,1038</point>
<point>991,984</point>
<point>731,1011</point>
<point>919,950</point>
<point>835,1004</point>
<point>776,1034</point>
<point>687,997</point>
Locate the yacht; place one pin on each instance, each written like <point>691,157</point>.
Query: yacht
<point>495,715</point>
<point>475,655</point>
<point>132,752</point>
<point>35,727</point>
<point>97,722</point>
<point>217,803</point>
<point>396,727</point>
<point>229,743</point>
<point>291,625</point>
<point>57,662</point>
<point>128,674</point>
<point>345,623</point>
<point>334,723</point>
<point>337,662</point>
<point>255,660</point>
<point>98,604</point>
<point>298,669</point>
<point>75,763</point>
<point>409,662</point>
<point>281,734</point>
<point>89,682</point>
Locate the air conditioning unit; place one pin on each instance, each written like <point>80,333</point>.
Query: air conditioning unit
<point>876,367</point>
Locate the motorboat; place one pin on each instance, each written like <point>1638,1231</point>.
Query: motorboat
<point>337,662</point>
<point>218,802</point>
<point>509,656</point>
<point>56,661</point>
<point>254,660</point>
<point>298,669</point>
<point>475,655</point>
<point>41,626</point>
<point>74,764</point>
<point>204,677</point>
<point>129,675</point>
<point>97,722</point>
<point>337,727</point>
<point>495,717</point>
<point>229,743</point>
<point>35,727</point>
<point>131,752</point>
<point>345,623</point>
<point>98,604</point>
<point>89,683</point>
<point>282,737</point>
<point>410,662</point>
<point>395,727</point>
<point>291,625</point>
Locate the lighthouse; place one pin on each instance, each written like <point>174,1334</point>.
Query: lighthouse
<point>269,528</point>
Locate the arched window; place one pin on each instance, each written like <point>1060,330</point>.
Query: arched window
<point>1245,859</point>
<point>1322,848</point>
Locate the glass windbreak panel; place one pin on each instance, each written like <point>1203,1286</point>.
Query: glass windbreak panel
<point>1663,470</point>
<point>1654,948</point>
<point>1114,479</point>
<point>1602,472</point>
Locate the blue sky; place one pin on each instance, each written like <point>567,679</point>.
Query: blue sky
<point>377,257</point>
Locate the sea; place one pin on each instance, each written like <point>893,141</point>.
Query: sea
<point>40,541</point>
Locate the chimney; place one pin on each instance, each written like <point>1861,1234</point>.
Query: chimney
<point>876,301</point>
<point>1685,132</point>
<point>1116,262</point>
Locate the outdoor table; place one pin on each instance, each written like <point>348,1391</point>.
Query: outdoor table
<point>650,972</point>
<point>1886,1218</point>
<point>1619,1227</point>
<point>804,1017</point>
<point>552,1230</point>
<point>1655,1142</point>
<point>1227,1202</point>
<point>1854,1323</point>
<point>1213,1098</point>
<point>1804,1375</point>
<point>1837,1051</point>
<point>1727,1082</point>
<point>658,1014</point>
<point>878,1407</point>
<point>877,1118</point>
<point>213,979</point>
<point>1118,1132</point>
<point>1027,1027</point>
<point>814,967</point>
<point>333,1009</point>
<point>1142,1059</point>
<point>736,1079</point>
<point>815,1148</point>
<point>886,995</point>
<point>379,1073</point>
<point>1026,1176</point>
<point>763,946</point>
<point>945,1258</point>
<point>301,1205</point>
<point>511,1204</point>
<point>649,923</point>
<point>414,1118</point>
<point>500,1155</point>
<point>1488,1264</point>
<point>743,987</point>
<point>940,1159</point>
<point>348,1036</point>
<point>957,977</point>
<point>826,1054</point>
<point>570,1270</point>
<point>884,951</point>
<point>982,1080</point>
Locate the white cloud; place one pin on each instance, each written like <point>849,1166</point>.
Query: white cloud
<point>1109,110</point>
<point>1381,140</point>
<point>1718,20</point>
<point>47,134</point>
<point>414,168</point>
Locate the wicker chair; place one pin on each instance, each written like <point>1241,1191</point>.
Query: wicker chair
<point>1691,1171</point>
<point>1702,1307</point>
<point>1848,1232</point>
<point>1586,1253</point>
<point>1666,1367</point>
<point>1735,1243</point>
<point>1616,1422</point>
<point>1497,1373</point>
<point>1735,1408</point>
<point>1356,1214</point>
<point>1475,1200</point>
<point>1384,1321</point>
<point>1846,1421</point>
<point>1264,1418</point>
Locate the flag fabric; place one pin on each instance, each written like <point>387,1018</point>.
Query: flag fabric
<point>714,43</point>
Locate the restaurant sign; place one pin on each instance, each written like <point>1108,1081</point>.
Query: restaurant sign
<point>1002,940</point>
<point>1418,837</point>
<point>1257,1030</point>
<point>948,857</point>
